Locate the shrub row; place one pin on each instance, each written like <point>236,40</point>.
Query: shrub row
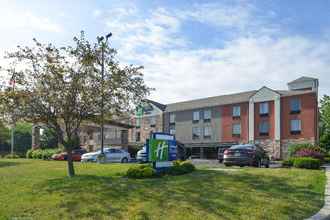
<point>305,148</point>
<point>181,167</point>
<point>146,171</point>
<point>141,171</point>
<point>44,154</point>
<point>11,156</point>
<point>303,162</point>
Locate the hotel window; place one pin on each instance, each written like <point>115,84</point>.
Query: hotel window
<point>263,109</point>
<point>295,126</point>
<point>172,129</point>
<point>295,105</point>
<point>207,132</point>
<point>138,136</point>
<point>153,121</point>
<point>264,128</point>
<point>196,132</point>
<point>172,118</point>
<point>207,115</point>
<point>236,129</point>
<point>138,122</point>
<point>236,111</point>
<point>196,116</point>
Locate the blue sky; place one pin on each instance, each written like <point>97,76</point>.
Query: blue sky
<point>190,49</point>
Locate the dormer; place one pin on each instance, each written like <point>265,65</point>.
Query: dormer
<point>304,83</point>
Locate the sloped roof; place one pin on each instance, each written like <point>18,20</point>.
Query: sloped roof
<point>302,79</point>
<point>225,100</point>
<point>210,101</point>
<point>157,104</point>
<point>293,92</point>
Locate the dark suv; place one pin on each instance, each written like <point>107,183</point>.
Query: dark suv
<point>246,155</point>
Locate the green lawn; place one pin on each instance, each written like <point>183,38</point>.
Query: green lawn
<point>40,190</point>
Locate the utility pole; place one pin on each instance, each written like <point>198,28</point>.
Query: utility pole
<point>103,45</point>
<point>13,118</point>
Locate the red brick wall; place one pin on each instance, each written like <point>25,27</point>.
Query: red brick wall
<point>227,122</point>
<point>307,116</point>
<point>270,118</point>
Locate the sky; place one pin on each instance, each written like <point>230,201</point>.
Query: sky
<point>189,49</point>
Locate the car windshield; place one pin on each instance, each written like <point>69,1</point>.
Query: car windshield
<point>250,147</point>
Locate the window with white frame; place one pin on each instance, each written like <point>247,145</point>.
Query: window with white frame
<point>172,118</point>
<point>207,115</point>
<point>138,136</point>
<point>196,132</point>
<point>236,129</point>
<point>295,105</point>
<point>236,111</point>
<point>207,132</point>
<point>138,122</point>
<point>152,121</point>
<point>172,129</point>
<point>295,126</point>
<point>196,116</point>
<point>264,128</point>
<point>264,108</point>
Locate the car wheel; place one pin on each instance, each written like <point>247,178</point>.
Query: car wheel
<point>124,160</point>
<point>227,165</point>
<point>267,165</point>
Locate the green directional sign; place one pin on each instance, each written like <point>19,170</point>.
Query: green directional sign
<point>158,150</point>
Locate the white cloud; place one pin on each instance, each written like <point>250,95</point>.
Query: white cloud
<point>244,64</point>
<point>13,18</point>
<point>259,54</point>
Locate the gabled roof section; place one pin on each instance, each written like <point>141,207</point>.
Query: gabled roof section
<point>210,101</point>
<point>265,88</point>
<point>157,104</point>
<point>302,79</point>
<point>264,94</point>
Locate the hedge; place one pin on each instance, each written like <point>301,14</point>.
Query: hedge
<point>307,163</point>
<point>44,154</point>
<point>146,171</point>
<point>142,171</point>
<point>181,167</point>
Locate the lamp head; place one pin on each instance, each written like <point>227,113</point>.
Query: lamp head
<point>108,35</point>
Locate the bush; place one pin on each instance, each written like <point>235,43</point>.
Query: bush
<point>326,159</point>
<point>293,148</point>
<point>310,152</point>
<point>180,168</point>
<point>142,171</point>
<point>45,154</point>
<point>288,162</point>
<point>11,156</point>
<point>307,163</point>
<point>29,154</point>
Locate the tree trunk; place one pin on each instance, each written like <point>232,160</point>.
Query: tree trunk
<point>71,172</point>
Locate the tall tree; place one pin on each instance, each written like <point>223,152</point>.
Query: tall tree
<point>325,122</point>
<point>61,87</point>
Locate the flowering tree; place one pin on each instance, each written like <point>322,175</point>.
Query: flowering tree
<point>61,87</point>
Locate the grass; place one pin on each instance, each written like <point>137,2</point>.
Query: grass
<point>35,189</point>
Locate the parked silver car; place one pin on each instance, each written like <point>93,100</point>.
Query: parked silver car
<point>117,155</point>
<point>141,155</point>
<point>112,154</point>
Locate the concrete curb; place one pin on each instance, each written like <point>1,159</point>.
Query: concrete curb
<point>324,212</point>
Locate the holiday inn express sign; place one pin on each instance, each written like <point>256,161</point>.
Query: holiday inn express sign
<point>162,148</point>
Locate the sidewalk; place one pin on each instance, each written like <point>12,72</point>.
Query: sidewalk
<point>324,212</point>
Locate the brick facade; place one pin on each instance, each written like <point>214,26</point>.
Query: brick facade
<point>228,120</point>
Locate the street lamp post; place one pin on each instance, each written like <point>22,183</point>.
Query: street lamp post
<point>103,44</point>
<point>13,117</point>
